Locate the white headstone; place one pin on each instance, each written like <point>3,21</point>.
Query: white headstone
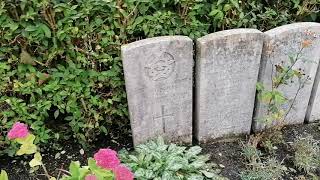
<point>280,43</point>
<point>158,78</point>
<point>227,68</point>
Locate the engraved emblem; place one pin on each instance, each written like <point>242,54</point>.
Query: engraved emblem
<point>161,68</point>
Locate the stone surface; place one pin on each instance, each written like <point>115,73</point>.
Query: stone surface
<point>313,113</point>
<point>227,68</point>
<point>278,45</point>
<point>158,77</point>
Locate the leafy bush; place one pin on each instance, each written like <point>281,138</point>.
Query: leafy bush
<point>60,66</point>
<point>157,160</point>
<point>306,154</point>
<point>259,168</point>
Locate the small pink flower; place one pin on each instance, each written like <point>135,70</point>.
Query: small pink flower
<point>91,177</point>
<point>123,173</point>
<point>18,130</point>
<point>107,158</point>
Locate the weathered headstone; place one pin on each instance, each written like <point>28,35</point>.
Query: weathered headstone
<point>158,77</point>
<point>313,113</point>
<point>279,44</point>
<point>227,68</point>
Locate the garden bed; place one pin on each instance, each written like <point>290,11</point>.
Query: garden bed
<point>226,153</point>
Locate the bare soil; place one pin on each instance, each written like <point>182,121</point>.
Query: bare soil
<point>228,153</point>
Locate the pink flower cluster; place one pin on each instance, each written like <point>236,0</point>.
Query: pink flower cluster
<point>105,158</point>
<point>18,130</point>
<point>91,177</point>
<point>108,159</point>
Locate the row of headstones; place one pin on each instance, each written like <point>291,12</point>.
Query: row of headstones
<point>159,82</point>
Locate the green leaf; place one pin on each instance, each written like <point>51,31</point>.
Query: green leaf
<point>176,163</point>
<point>235,3</point>
<point>214,12</point>
<point>220,2</point>
<point>36,161</point>
<point>77,172</point>
<point>133,158</point>
<point>83,172</point>
<point>4,175</point>
<point>101,173</point>
<point>291,58</point>
<point>266,97</point>
<point>56,113</point>
<point>193,151</point>
<point>227,7</point>
<point>27,149</point>
<point>198,164</point>
<point>31,28</point>
<point>138,20</point>
<point>279,98</point>
<point>74,168</point>
<point>27,140</point>
<point>195,177</point>
<point>260,86</point>
<point>313,16</point>
<point>208,174</point>
<point>46,30</point>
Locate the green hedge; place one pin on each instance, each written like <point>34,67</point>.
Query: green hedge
<point>60,66</point>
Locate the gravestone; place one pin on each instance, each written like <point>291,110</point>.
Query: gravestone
<point>313,113</point>
<point>158,77</point>
<point>280,43</point>
<point>227,68</point>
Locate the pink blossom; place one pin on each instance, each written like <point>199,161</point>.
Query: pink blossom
<point>107,158</point>
<point>123,173</point>
<point>91,177</point>
<point>19,130</point>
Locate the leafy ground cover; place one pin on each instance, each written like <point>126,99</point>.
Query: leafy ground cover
<point>227,154</point>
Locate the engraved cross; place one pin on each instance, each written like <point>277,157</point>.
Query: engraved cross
<point>163,116</point>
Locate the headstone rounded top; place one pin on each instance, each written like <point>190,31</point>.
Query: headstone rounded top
<point>225,33</point>
<point>292,27</point>
<point>159,77</point>
<point>155,40</point>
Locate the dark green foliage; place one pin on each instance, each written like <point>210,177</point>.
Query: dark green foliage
<point>60,70</point>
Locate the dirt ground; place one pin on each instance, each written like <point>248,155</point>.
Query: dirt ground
<point>226,153</point>
<point>18,168</point>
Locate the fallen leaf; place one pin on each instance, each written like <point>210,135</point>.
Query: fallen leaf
<point>25,58</point>
<point>36,161</point>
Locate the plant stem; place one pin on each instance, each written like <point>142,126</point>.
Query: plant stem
<point>66,172</point>
<point>45,171</point>
<point>294,99</point>
<point>290,68</point>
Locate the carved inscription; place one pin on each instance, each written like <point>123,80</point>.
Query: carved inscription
<point>163,116</point>
<point>158,76</point>
<point>161,68</point>
<point>226,77</point>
